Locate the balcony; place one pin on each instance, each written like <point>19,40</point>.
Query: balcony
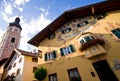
<point>94,51</point>
<point>92,42</point>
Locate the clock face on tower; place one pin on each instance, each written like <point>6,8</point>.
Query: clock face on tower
<point>11,46</point>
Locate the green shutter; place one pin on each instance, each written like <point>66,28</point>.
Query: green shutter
<point>81,41</point>
<point>72,48</point>
<point>54,54</point>
<point>116,33</point>
<point>45,57</point>
<point>61,51</point>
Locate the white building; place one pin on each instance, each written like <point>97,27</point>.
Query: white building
<point>21,64</point>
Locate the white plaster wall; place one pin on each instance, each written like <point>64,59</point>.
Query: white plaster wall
<point>18,65</point>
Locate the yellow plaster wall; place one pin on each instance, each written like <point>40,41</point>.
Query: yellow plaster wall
<point>1,72</point>
<point>60,66</point>
<point>28,74</point>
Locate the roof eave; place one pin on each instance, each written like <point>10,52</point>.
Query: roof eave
<point>72,14</point>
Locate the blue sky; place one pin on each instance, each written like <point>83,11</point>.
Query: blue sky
<point>35,15</point>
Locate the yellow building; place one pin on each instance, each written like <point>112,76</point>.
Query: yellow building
<point>20,66</point>
<point>82,44</point>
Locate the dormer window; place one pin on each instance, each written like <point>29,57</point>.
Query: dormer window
<point>82,24</point>
<point>51,36</point>
<point>64,31</point>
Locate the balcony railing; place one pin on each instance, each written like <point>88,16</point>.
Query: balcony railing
<point>92,42</point>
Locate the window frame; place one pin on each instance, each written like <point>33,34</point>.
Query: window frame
<point>13,40</point>
<point>10,67</point>
<point>50,56</point>
<point>52,36</point>
<point>34,69</point>
<point>20,60</point>
<point>84,40</point>
<point>14,65</point>
<point>114,33</point>
<point>54,77</point>
<point>66,30</point>
<point>34,59</point>
<point>67,50</point>
<point>73,72</point>
<point>18,71</point>
<point>81,24</point>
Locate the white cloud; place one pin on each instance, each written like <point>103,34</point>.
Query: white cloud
<point>20,2</point>
<point>8,9</point>
<point>34,26</point>
<point>1,34</point>
<point>45,11</point>
<point>41,9</point>
<point>20,9</point>
<point>7,18</point>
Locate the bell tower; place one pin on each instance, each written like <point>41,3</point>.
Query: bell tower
<point>10,39</point>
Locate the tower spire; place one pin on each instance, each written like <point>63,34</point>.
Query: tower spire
<point>16,23</point>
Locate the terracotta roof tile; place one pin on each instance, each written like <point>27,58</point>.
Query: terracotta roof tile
<point>27,53</point>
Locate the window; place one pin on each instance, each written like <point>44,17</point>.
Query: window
<point>14,65</point>
<point>34,69</point>
<point>53,77</point>
<point>34,80</point>
<point>13,40</point>
<point>9,68</point>
<point>116,32</point>
<point>100,16</point>
<point>10,28</point>
<point>13,74</point>
<point>50,56</point>
<point>20,59</point>
<point>82,24</point>
<point>74,75</point>
<point>51,36</point>
<point>34,59</point>
<point>18,71</point>
<point>64,31</point>
<point>67,50</point>
<point>86,39</point>
<point>92,74</point>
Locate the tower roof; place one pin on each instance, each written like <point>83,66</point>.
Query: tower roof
<point>16,23</point>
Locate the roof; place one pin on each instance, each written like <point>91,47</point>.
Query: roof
<point>22,52</point>
<point>25,53</point>
<point>73,14</point>
<point>16,23</point>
